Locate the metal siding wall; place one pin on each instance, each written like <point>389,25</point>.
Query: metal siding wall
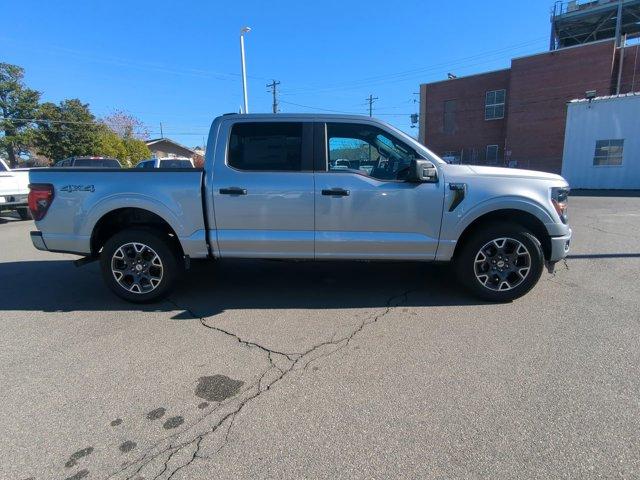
<point>604,119</point>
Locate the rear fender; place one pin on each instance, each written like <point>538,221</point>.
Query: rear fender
<point>143,202</point>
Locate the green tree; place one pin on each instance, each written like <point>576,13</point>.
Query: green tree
<point>18,104</point>
<point>129,131</point>
<point>110,145</point>
<point>136,150</point>
<point>66,129</point>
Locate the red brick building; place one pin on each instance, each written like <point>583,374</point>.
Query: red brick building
<point>517,116</point>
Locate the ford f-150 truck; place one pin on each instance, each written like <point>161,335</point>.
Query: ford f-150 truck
<point>272,187</point>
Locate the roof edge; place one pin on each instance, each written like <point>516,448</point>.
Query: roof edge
<point>467,76</point>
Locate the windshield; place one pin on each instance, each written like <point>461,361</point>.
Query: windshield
<point>424,151</point>
<point>173,163</point>
<point>97,163</point>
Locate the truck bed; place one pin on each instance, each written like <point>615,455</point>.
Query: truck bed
<point>84,196</point>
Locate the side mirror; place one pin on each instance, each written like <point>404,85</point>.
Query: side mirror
<point>423,171</point>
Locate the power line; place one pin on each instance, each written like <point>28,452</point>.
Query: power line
<point>317,108</point>
<point>137,64</point>
<point>517,107</point>
<point>46,120</point>
<point>407,74</point>
<point>274,90</point>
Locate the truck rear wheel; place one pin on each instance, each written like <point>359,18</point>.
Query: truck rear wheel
<point>500,262</point>
<point>139,265</point>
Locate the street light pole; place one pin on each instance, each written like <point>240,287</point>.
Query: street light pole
<point>244,68</point>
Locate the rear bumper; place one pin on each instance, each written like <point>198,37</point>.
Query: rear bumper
<point>52,242</point>
<point>38,241</point>
<point>560,247</point>
<point>9,202</point>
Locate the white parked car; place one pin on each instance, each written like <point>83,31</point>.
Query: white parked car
<point>166,162</point>
<point>14,190</point>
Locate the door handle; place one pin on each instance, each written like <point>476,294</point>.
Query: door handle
<point>233,191</point>
<point>336,192</point>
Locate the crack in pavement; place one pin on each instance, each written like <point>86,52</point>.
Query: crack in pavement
<point>296,361</point>
<point>600,229</point>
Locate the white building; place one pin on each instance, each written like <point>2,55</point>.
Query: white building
<point>602,143</point>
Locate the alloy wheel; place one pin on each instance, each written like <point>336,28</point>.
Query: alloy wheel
<point>502,264</point>
<point>137,267</point>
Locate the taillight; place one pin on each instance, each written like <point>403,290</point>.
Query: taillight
<point>40,198</point>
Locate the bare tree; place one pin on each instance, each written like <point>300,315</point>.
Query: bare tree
<point>126,125</point>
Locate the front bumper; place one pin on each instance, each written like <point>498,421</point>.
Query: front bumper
<point>38,241</point>
<point>560,247</point>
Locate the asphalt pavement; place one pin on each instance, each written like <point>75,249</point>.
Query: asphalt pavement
<point>269,369</point>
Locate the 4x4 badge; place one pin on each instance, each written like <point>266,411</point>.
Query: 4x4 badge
<point>78,188</point>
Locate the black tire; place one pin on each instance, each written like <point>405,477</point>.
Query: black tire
<point>476,262</point>
<point>24,213</point>
<point>157,244</point>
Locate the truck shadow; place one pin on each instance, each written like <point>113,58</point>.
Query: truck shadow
<point>214,287</point>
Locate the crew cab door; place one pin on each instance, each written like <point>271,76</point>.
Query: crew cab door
<point>365,207</point>
<point>263,189</point>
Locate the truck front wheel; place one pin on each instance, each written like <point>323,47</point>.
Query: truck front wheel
<point>139,265</point>
<point>500,262</point>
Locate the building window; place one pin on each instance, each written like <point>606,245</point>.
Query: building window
<point>449,120</point>
<point>492,154</point>
<point>494,104</point>
<point>608,153</point>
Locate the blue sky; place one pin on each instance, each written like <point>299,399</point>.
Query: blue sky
<point>178,62</point>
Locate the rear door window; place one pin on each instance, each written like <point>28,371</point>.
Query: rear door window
<point>266,146</point>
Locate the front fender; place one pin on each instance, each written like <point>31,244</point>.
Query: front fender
<point>454,223</point>
<point>500,203</point>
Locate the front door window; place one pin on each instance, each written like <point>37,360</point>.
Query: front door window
<point>369,151</point>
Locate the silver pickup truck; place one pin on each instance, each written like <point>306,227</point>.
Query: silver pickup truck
<point>313,187</point>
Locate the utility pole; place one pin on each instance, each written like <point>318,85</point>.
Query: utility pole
<point>371,99</point>
<point>415,117</point>
<point>274,90</point>
<point>161,134</point>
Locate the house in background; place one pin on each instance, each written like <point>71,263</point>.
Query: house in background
<point>165,147</point>
<point>198,159</point>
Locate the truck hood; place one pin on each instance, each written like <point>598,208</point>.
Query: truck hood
<point>513,173</point>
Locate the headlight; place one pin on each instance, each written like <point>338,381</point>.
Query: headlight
<point>559,198</point>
